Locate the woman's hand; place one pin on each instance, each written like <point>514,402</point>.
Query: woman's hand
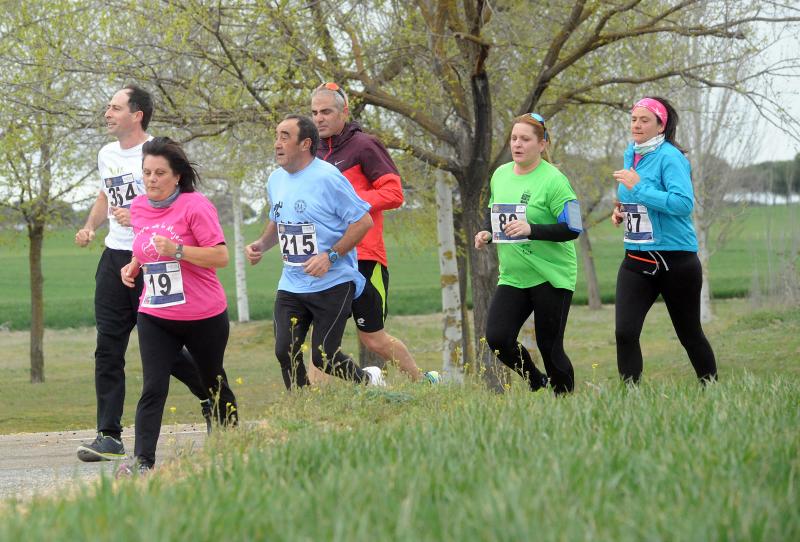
<point>482,238</point>
<point>617,216</point>
<point>129,273</point>
<point>628,177</point>
<point>517,228</point>
<point>164,246</point>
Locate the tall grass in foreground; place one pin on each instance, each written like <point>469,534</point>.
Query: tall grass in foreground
<point>665,461</point>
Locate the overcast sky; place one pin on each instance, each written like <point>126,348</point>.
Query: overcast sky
<point>776,145</point>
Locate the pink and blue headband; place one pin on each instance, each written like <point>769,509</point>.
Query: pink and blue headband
<point>655,106</point>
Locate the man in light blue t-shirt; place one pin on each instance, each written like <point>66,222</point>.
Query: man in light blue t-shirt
<point>316,219</point>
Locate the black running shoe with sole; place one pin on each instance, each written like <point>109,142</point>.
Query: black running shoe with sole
<point>103,448</point>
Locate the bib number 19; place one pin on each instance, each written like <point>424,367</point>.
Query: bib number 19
<point>163,284</point>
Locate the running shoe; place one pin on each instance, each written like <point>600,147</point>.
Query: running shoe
<point>206,408</point>
<point>129,470</point>
<point>375,376</point>
<point>104,448</point>
<point>539,381</point>
<point>432,377</point>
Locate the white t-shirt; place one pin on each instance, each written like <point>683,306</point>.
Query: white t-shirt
<point>121,180</point>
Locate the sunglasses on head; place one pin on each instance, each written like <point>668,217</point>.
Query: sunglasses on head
<point>336,88</point>
<point>540,119</point>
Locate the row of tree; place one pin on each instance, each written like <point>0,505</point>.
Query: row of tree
<point>437,80</point>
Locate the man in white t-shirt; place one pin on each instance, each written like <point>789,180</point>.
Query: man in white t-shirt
<point>120,164</point>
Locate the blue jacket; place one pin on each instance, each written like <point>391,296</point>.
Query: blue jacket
<point>666,190</point>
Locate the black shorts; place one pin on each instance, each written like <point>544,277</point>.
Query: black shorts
<point>371,307</point>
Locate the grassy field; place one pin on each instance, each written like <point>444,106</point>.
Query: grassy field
<point>69,271</point>
<point>666,461</point>
<point>761,342</point>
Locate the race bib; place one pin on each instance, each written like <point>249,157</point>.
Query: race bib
<point>121,191</point>
<point>636,222</point>
<point>298,242</point>
<point>502,214</point>
<point>163,284</point>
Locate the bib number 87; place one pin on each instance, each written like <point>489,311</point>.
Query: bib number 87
<point>630,222</point>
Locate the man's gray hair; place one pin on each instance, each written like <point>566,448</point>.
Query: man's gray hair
<point>339,95</point>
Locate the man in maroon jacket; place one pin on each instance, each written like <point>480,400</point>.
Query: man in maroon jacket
<point>369,168</point>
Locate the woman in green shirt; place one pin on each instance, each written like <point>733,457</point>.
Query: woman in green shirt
<point>533,216</point>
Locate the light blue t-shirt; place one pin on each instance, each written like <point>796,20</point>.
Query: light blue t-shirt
<point>313,208</point>
<point>665,189</point>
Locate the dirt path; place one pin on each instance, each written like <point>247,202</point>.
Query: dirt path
<point>43,463</point>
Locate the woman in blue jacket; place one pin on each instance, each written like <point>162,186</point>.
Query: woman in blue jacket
<point>655,209</point>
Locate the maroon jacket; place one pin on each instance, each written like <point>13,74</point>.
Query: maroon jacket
<point>369,168</point>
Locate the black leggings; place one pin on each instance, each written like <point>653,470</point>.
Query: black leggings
<point>509,309</point>
<point>678,277</point>
<point>160,340</point>
<point>329,311</point>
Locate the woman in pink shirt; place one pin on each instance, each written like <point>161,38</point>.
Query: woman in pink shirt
<point>178,246</point>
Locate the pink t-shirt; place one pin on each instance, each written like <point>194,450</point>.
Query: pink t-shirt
<point>178,290</point>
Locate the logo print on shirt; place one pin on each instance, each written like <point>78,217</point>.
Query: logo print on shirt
<point>299,206</point>
<point>338,162</point>
<point>525,197</point>
<point>276,210</point>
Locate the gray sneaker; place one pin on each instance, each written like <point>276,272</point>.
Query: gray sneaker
<point>104,448</point>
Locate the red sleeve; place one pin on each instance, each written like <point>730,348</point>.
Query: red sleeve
<point>386,193</point>
<point>377,166</point>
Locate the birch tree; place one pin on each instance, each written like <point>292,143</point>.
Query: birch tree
<point>44,121</point>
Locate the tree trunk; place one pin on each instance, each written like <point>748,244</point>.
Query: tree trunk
<point>462,263</point>
<point>592,286</point>
<point>706,313</point>
<point>242,304</point>
<point>451,295</point>
<point>473,183</point>
<point>483,267</point>
<point>36,237</point>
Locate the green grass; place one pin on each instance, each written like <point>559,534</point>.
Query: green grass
<point>761,342</point>
<point>69,271</point>
<point>669,460</point>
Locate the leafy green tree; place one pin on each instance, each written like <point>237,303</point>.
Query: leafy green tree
<point>44,131</point>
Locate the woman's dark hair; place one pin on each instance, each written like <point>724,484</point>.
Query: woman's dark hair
<point>178,162</point>
<point>672,122</point>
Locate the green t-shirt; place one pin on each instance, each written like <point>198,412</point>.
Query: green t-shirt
<point>545,190</point>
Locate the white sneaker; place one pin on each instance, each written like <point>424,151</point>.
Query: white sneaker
<point>375,376</point>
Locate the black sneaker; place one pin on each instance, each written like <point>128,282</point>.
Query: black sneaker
<point>104,448</point>
<point>206,408</point>
<point>539,381</point>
